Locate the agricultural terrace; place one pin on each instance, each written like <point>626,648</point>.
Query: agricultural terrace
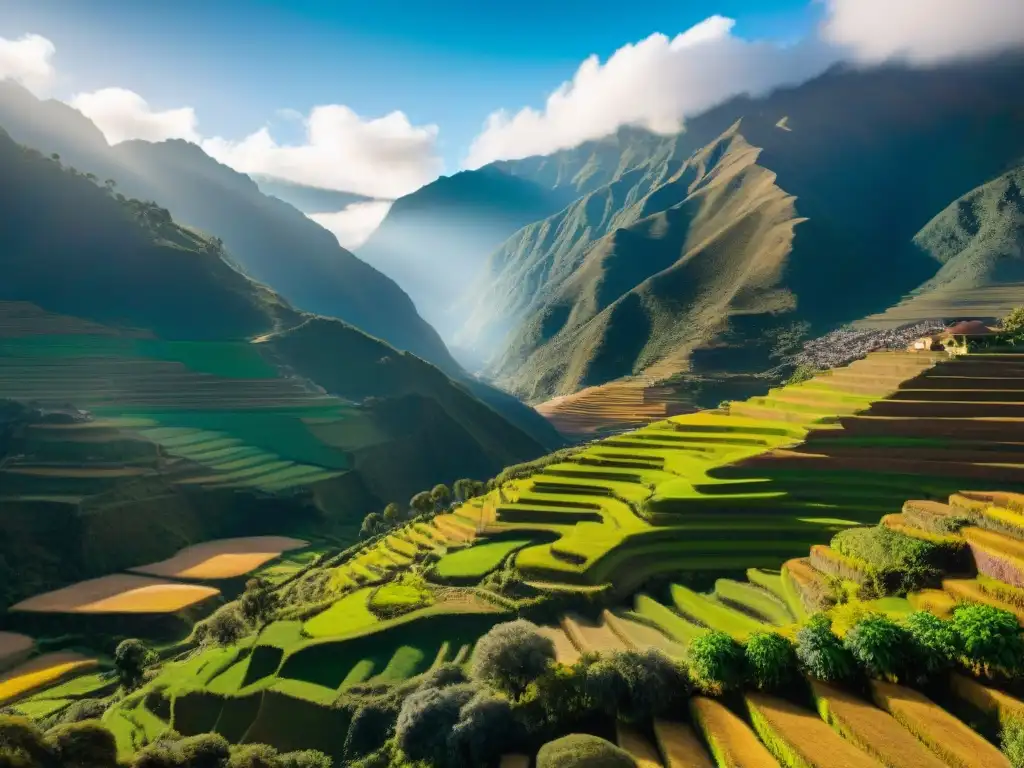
<point>118,593</point>
<point>45,670</point>
<point>222,559</point>
<point>14,648</point>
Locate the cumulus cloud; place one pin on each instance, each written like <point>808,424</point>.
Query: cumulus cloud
<point>384,157</point>
<point>923,31</point>
<point>355,223</point>
<point>654,83</point>
<point>27,60</point>
<point>122,115</point>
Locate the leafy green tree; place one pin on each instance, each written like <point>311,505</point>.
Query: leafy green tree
<point>511,656</point>
<point>717,663</point>
<point>84,745</point>
<point>463,489</point>
<point>771,659</point>
<point>304,758</point>
<point>1013,325</point>
<point>989,638</point>
<point>801,374</point>
<point>1012,740</point>
<point>444,675</point>
<point>636,685</point>
<point>422,503</point>
<point>224,626</point>
<point>373,524</point>
<point>935,643</point>
<point>441,495</point>
<point>371,726</point>
<point>821,653</point>
<point>392,514</point>
<point>427,717</point>
<point>131,657</point>
<point>578,750</point>
<point>259,602</point>
<point>253,756</point>
<point>487,728</point>
<point>22,743</point>
<point>207,750</point>
<point>882,647</point>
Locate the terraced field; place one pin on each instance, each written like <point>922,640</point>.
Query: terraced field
<point>118,594</point>
<point>222,559</point>
<point>42,671</point>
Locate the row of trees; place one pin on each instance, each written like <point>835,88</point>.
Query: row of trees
<point>433,501</point>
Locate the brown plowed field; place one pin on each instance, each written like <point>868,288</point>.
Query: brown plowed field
<point>222,559</point>
<point>14,648</point>
<point>118,594</point>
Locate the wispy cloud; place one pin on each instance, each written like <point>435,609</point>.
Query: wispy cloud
<point>355,223</point>
<point>28,60</point>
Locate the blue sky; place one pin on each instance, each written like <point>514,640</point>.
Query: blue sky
<point>443,62</point>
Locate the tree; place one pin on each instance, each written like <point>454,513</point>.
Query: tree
<point>635,685</point>
<point>511,656</point>
<point>23,743</point>
<point>717,663</point>
<point>881,646</point>
<point>371,726</point>
<point>427,717</point>
<point>444,675</point>
<point>989,638</point>
<point>771,659</point>
<point>578,750</point>
<point>131,657</point>
<point>821,653</point>
<point>422,503</point>
<point>486,729</point>
<point>253,756</point>
<point>223,627</point>
<point>464,489</point>
<point>936,645</point>
<point>373,524</point>
<point>392,514</point>
<point>84,745</point>
<point>304,758</point>
<point>1012,741</point>
<point>441,496</point>
<point>258,602</point>
<point>207,750</point>
<point>1013,325</point>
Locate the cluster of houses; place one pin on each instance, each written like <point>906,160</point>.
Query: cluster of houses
<point>957,338</point>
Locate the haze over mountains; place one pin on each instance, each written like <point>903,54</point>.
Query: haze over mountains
<point>692,253</point>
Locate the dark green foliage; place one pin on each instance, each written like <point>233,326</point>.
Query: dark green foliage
<point>259,602</point>
<point>936,644</point>
<point>392,513</point>
<point>511,656</point>
<point>304,758</point>
<point>989,639</point>
<point>465,489</point>
<point>87,744</point>
<point>444,675</point>
<point>771,659</point>
<point>882,647</point>
<point>131,657</point>
<point>22,743</point>
<point>899,563</point>
<point>487,728</point>
<point>821,653</point>
<point>441,495</point>
<point>421,503</point>
<point>374,524</point>
<point>225,626</point>
<point>636,685</point>
<point>427,717</point>
<point>579,750</point>
<point>717,663</point>
<point>1012,741</point>
<point>253,756</point>
<point>371,726</point>
<point>801,374</point>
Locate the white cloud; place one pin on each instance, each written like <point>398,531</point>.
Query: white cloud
<point>384,157</point>
<point>654,83</point>
<point>27,60</point>
<point>355,223</point>
<point>122,115</point>
<point>924,31</point>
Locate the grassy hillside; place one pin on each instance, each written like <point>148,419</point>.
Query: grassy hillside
<point>765,218</point>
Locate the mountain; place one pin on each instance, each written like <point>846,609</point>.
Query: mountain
<point>434,241</point>
<point>152,396</point>
<point>307,199</point>
<point>699,257</point>
<point>272,241</point>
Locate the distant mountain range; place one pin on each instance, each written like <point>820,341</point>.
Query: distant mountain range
<point>701,255</point>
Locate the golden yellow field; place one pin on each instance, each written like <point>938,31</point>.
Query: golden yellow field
<point>634,742</point>
<point>223,558</point>
<point>13,648</point>
<point>991,701</point>
<point>732,743</point>
<point>118,594</point>
<point>40,671</point>
<point>565,652</point>
<point>681,746</point>
<point>954,742</point>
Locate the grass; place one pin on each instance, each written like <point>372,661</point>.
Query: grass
<point>349,615</point>
<point>82,686</point>
<point>680,745</point>
<point>41,671</point>
<point>754,600</point>
<point>731,741</point>
<point>477,561</point>
<point>683,631</point>
<point>714,614</point>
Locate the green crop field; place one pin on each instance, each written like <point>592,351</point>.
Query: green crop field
<point>348,615</point>
<point>476,562</point>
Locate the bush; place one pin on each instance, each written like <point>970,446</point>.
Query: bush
<point>207,750</point>
<point>426,718</point>
<point>1012,741</point>
<point>486,729</point>
<point>511,656</point>
<point>225,626</point>
<point>989,639</point>
<point>371,726</point>
<point>936,645</point>
<point>579,750</point>
<point>635,685</point>
<point>304,758</point>
<point>882,647</point>
<point>717,663</point>
<point>1013,326</point>
<point>253,756</point>
<point>899,563</point>
<point>821,653</point>
<point>131,657</point>
<point>258,603</point>
<point>771,660</point>
<point>444,675</point>
<point>87,744</point>
<point>801,374</point>
<point>23,743</point>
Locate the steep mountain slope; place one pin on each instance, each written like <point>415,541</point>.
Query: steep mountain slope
<point>434,241</point>
<point>766,220</point>
<point>110,307</point>
<point>272,241</point>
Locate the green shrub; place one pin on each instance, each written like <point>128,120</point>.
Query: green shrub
<point>989,639</point>
<point>899,563</point>
<point>717,663</point>
<point>88,744</point>
<point>1012,741</point>
<point>304,758</point>
<point>636,685</point>
<point>22,742</point>
<point>882,647</point>
<point>511,656</point>
<point>821,653</point>
<point>131,657</point>
<point>444,675</point>
<point>371,726</point>
<point>253,756</point>
<point>1013,326</point>
<point>486,729</point>
<point>427,717</point>
<point>207,750</point>
<point>936,644</point>
<point>771,660</point>
<point>580,750</point>
<point>801,374</point>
